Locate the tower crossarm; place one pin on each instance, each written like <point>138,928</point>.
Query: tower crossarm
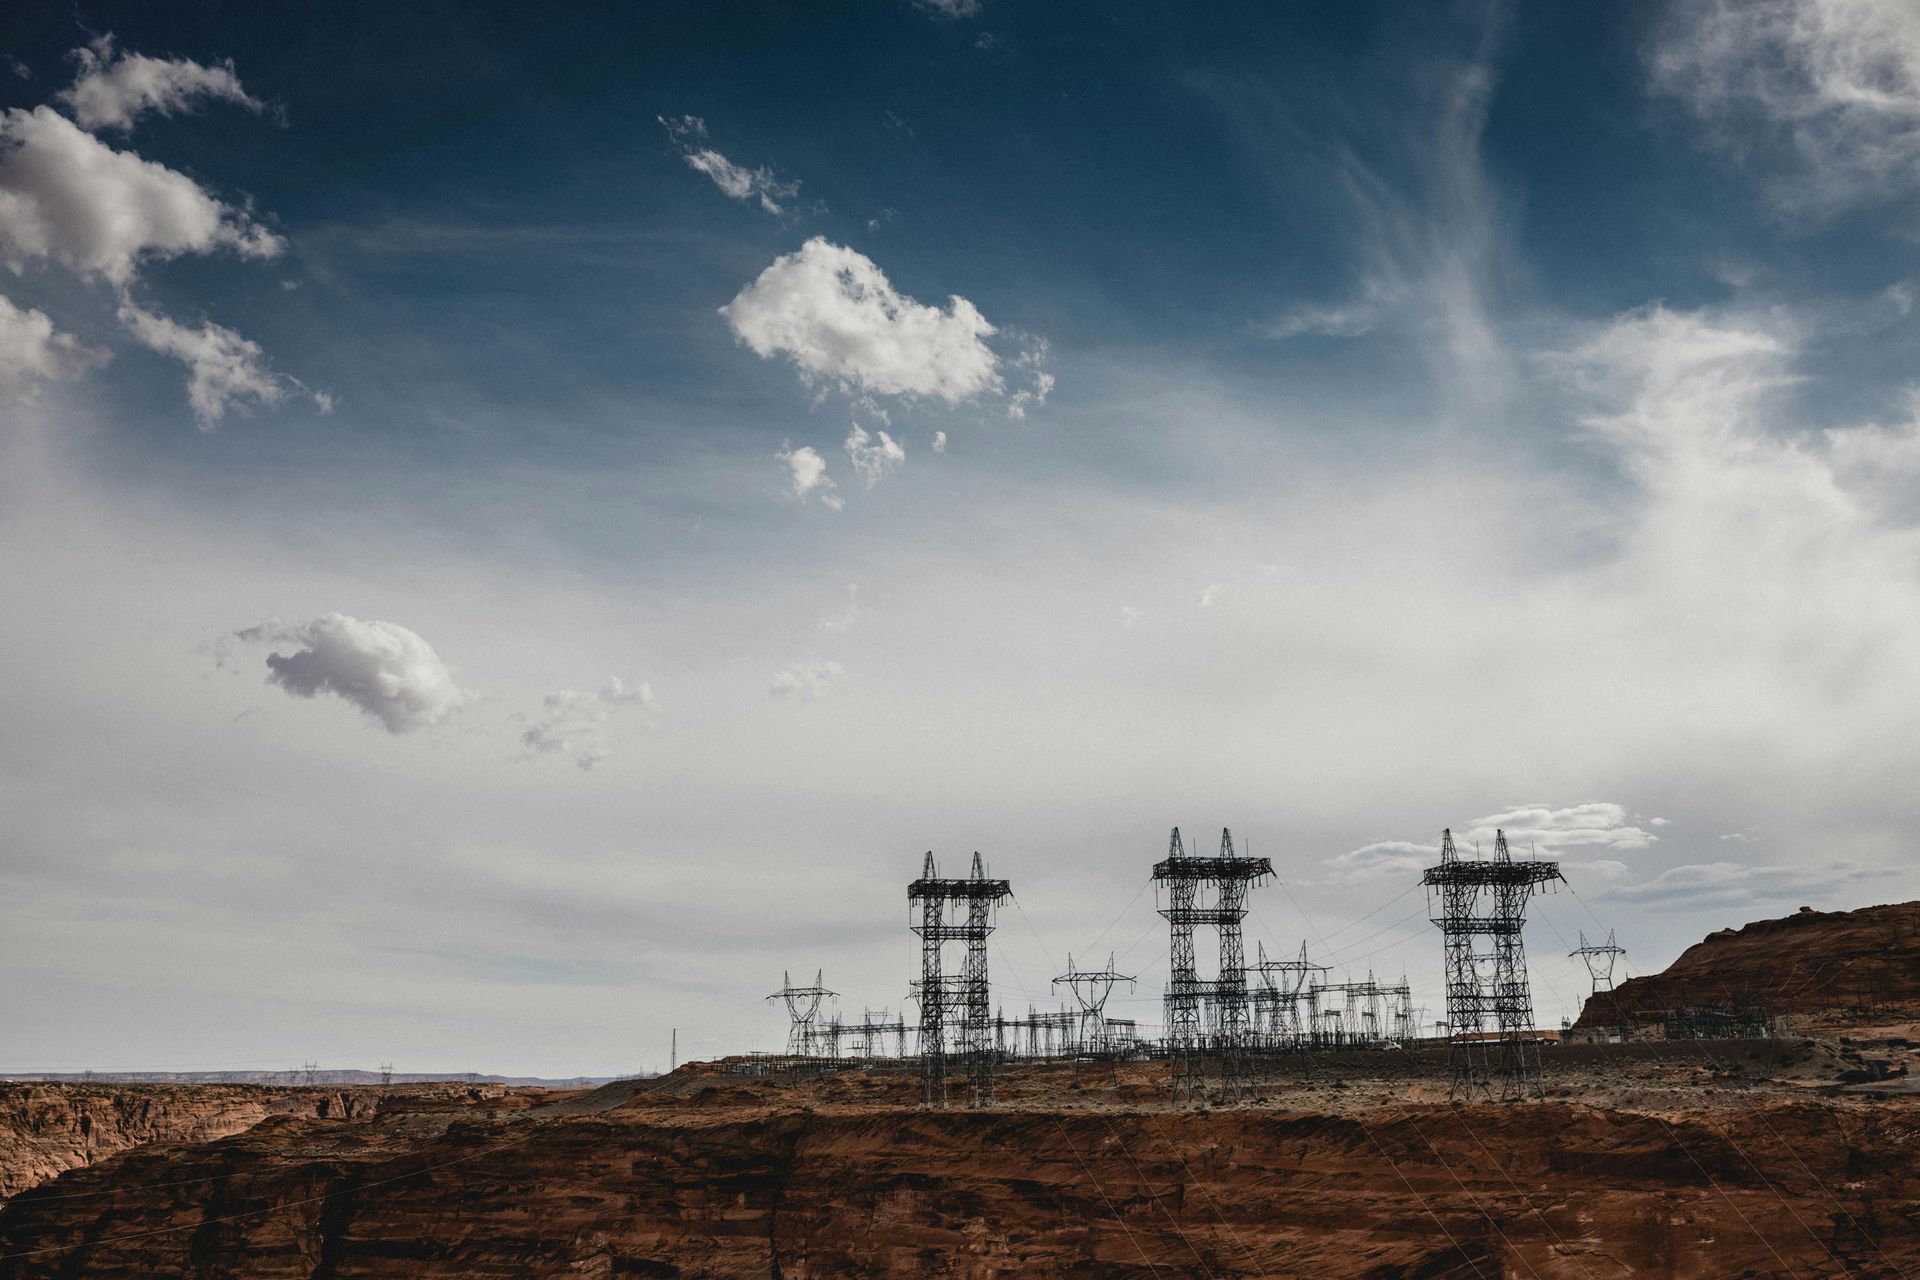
<point>1251,870</point>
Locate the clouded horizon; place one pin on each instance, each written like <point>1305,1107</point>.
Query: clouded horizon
<point>521,530</point>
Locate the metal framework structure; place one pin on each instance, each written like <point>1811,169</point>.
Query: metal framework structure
<point>1201,1014</point>
<point>962,911</point>
<point>803,1007</point>
<point>1286,1003</point>
<point>1090,988</point>
<point>1470,899</point>
<point>1600,959</point>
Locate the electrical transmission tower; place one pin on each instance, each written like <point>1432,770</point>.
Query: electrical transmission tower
<point>1471,899</point>
<point>1283,988</point>
<point>960,911</point>
<point>1090,988</point>
<point>386,1074</point>
<point>1599,960</point>
<point>308,1069</point>
<point>803,1008</point>
<point>1224,999</point>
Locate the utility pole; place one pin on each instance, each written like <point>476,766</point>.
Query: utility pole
<point>673,1056</point>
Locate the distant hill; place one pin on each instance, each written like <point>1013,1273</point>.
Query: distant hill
<point>1831,965</point>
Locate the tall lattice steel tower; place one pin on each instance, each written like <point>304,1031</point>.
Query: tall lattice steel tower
<point>956,910</point>
<point>803,1010</point>
<point>1222,1001</point>
<point>1470,899</point>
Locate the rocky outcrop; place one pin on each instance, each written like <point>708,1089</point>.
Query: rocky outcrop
<point>1830,965</point>
<point>729,1180</point>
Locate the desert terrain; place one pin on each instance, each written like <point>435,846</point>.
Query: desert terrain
<point>1797,1155</point>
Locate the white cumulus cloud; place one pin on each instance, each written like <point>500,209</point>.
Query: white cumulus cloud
<point>387,671</point>
<point>807,475</point>
<point>832,311</point>
<point>873,456</point>
<point>114,88</point>
<point>33,351</point>
<point>68,198</point>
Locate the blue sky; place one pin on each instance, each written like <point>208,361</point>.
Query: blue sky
<point>532,523</point>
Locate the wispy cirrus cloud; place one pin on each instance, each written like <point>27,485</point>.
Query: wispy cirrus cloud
<point>759,185</point>
<point>225,371</point>
<point>577,725</point>
<point>32,351</point>
<point>1819,98</point>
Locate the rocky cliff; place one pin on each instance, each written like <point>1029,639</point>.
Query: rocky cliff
<point>1828,965</point>
<point>715,1177</point>
<point>47,1129</point>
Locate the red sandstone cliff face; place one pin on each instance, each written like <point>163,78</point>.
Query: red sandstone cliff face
<point>47,1129</point>
<point>1828,964</point>
<point>742,1182</point>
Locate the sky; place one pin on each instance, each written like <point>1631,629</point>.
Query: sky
<point>522,529</point>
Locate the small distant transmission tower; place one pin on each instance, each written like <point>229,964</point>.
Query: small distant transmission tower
<point>1468,899</point>
<point>960,911</point>
<point>309,1068</point>
<point>1224,999</point>
<point>1600,960</point>
<point>1090,988</point>
<point>386,1074</point>
<point>1283,984</point>
<point>803,1008</point>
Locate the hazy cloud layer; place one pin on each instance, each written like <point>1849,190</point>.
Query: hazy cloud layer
<point>806,680</point>
<point>385,670</point>
<point>1754,889</point>
<point>114,88</point>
